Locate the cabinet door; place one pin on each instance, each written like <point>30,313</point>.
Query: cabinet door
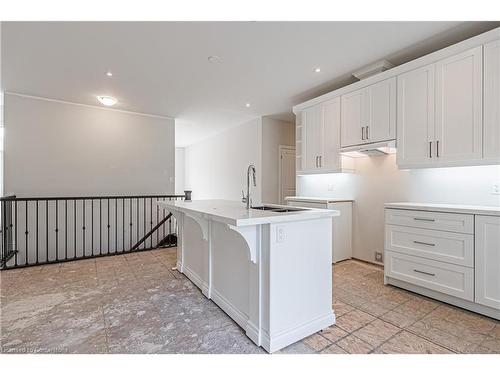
<point>382,111</point>
<point>311,130</point>
<point>353,118</point>
<point>487,261</point>
<point>415,117</point>
<point>330,159</point>
<point>491,141</point>
<point>459,107</point>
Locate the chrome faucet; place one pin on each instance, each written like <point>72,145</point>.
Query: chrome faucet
<point>247,199</point>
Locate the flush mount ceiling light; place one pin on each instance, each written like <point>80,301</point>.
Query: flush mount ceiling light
<point>213,59</point>
<point>109,74</point>
<point>247,105</point>
<point>107,100</point>
<point>317,70</point>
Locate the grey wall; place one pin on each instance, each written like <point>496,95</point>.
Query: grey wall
<point>54,148</point>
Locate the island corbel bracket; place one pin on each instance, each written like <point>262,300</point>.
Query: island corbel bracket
<point>202,222</point>
<point>250,234</point>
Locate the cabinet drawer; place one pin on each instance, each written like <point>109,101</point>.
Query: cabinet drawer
<point>456,248</point>
<point>460,223</point>
<point>442,277</point>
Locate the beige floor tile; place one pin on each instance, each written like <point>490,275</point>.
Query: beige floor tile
<point>374,309</point>
<point>354,345</point>
<point>317,342</point>
<point>492,344</point>
<point>408,343</point>
<point>376,332</point>
<point>354,320</point>
<point>333,333</point>
<point>400,319</point>
<point>334,349</point>
<point>340,308</point>
<point>443,338</point>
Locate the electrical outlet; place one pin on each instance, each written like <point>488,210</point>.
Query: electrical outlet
<point>379,257</point>
<point>280,234</point>
<point>496,189</point>
<point>331,187</point>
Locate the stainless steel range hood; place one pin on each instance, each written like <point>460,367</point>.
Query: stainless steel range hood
<point>372,149</point>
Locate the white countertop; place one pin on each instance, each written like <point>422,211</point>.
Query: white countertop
<point>317,199</point>
<point>456,208</point>
<point>235,213</point>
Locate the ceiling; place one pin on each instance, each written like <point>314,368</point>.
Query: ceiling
<point>162,68</point>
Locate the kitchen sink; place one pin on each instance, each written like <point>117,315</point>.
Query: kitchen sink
<point>278,209</point>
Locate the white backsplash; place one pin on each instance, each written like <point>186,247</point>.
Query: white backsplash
<point>377,180</point>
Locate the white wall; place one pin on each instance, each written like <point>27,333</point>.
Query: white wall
<point>55,148</point>
<point>274,134</point>
<point>377,181</point>
<point>180,170</point>
<point>216,167</point>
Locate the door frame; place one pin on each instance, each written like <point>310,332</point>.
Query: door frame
<point>282,148</point>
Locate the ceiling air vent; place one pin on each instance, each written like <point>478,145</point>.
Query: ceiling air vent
<point>372,69</point>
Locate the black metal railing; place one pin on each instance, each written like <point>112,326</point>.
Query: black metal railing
<point>56,229</point>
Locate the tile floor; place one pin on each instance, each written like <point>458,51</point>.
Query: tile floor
<point>135,303</point>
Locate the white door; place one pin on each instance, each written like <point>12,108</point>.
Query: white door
<point>286,173</point>
<point>381,111</point>
<point>330,159</point>
<point>459,93</point>
<point>311,130</point>
<point>487,261</point>
<point>354,118</point>
<point>491,140</point>
<point>415,117</point>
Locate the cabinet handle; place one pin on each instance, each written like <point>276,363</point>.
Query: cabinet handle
<point>316,162</point>
<point>367,132</point>
<point>430,149</point>
<point>424,243</point>
<point>425,273</point>
<point>320,161</point>
<point>362,133</point>
<point>437,148</point>
<point>423,219</point>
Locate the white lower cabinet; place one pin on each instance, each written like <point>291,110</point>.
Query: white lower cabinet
<point>487,256</point>
<point>450,256</point>
<point>342,225</point>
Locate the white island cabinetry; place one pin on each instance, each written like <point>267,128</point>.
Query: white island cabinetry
<point>269,271</point>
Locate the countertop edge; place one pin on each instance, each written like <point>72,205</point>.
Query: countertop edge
<point>465,209</point>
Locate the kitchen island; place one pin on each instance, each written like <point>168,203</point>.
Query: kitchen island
<point>269,269</point>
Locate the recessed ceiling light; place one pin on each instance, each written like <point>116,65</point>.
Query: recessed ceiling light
<point>107,100</point>
<point>213,59</point>
<point>247,105</point>
<point>109,74</point>
<point>317,70</point>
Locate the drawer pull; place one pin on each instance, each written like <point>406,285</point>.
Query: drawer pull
<point>424,243</point>
<point>425,273</point>
<point>423,219</point>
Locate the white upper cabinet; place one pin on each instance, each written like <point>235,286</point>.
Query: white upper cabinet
<point>491,141</point>
<point>330,159</point>
<point>439,109</point>
<point>459,108</point>
<point>354,118</point>
<point>312,123</point>
<point>369,114</point>
<point>415,117</point>
<point>320,125</point>
<point>381,124</point>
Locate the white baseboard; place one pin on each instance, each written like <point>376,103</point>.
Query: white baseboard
<point>452,300</point>
<point>237,315</point>
<point>290,336</point>
<point>197,280</point>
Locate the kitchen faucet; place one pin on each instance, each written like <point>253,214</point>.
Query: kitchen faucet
<point>247,200</point>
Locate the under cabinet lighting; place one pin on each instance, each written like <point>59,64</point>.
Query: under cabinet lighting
<point>107,100</point>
